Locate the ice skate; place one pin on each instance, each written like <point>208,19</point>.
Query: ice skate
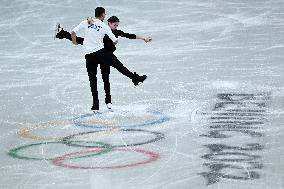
<point>58,31</point>
<point>138,79</point>
<point>109,106</point>
<point>95,108</point>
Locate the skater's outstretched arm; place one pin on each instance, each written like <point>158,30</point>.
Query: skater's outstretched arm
<point>132,36</point>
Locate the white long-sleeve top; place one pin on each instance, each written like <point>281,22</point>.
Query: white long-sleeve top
<point>94,35</point>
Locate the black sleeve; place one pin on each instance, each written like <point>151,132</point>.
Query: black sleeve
<point>122,34</point>
<point>79,40</point>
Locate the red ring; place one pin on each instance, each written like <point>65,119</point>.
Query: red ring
<point>59,161</point>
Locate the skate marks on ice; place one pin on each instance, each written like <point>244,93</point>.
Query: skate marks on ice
<point>236,122</point>
<point>109,144</point>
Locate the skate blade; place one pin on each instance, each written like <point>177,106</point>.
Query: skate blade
<point>96,111</point>
<point>57,26</point>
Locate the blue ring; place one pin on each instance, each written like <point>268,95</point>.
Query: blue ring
<point>163,118</point>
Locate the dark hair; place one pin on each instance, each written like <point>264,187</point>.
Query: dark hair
<point>113,19</point>
<point>99,11</point>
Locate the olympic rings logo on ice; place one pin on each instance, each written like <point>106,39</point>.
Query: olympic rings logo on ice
<point>95,148</point>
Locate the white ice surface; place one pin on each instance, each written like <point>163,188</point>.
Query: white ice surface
<point>199,49</point>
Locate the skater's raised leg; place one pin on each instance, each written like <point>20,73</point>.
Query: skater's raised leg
<point>110,59</point>
<point>62,34</point>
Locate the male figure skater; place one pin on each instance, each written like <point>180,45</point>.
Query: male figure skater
<point>113,23</point>
<point>97,54</point>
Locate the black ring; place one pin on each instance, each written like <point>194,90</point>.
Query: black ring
<point>68,139</point>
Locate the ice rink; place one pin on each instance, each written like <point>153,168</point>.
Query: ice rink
<point>209,116</point>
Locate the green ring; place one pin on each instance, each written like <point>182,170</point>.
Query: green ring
<point>14,151</point>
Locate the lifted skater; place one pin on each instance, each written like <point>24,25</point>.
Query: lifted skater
<point>97,54</point>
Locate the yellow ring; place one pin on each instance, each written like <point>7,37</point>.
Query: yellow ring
<point>25,132</point>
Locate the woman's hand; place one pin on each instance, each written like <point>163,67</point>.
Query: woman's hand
<point>147,39</point>
<point>90,20</point>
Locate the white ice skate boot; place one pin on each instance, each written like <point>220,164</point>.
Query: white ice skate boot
<point>109,106</point>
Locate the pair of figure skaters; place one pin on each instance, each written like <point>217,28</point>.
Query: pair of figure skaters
<point>99,44</point>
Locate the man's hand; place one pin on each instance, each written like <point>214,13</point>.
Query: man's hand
<point>73,37</point>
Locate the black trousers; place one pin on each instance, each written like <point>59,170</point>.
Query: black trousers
<point>67,35</point>
<point>92,72</point>
<point>105,59</point>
